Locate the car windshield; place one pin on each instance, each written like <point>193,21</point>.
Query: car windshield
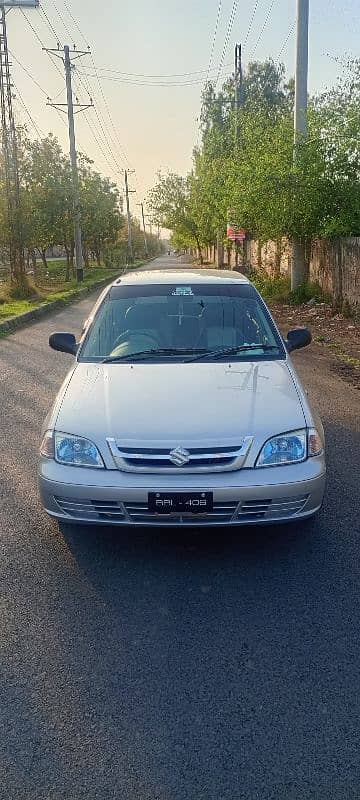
<point>171,323</point>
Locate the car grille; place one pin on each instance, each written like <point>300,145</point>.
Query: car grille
<point>199,459</point>
<point>93,510</point>
<point>221,514</point>
<point>251,510</point>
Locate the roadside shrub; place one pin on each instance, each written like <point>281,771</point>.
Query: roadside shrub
<point>276,289</point>
<point>306,292</point>
<point>22,290</point>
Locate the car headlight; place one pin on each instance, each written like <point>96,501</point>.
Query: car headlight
<point>288,448</point>
<point>75,451</point>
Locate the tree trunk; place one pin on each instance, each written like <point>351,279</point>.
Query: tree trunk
<point>220,252</point>
<point>259,262</point>
<point>98,257</point>
<point>86,258</point>
<point>72,254</point>
<point>300,266</point>
<point>277,265</point>
<point>68,263</point>
<point>43,258</point>
<point>228,251</point>
<point>32,256</point>
<point>199,250</point>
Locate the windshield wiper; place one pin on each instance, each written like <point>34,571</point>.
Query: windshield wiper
<point>161,351</point>
<point>232,351</point>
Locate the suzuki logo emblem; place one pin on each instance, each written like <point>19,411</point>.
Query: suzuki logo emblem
<point>179,456</point>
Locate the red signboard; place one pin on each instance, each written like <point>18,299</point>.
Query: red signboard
<point>236,234</point>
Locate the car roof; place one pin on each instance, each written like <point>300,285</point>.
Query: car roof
<point>181,276</point>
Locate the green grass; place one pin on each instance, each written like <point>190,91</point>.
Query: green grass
<point>15,307</point>
<point>55,288</point>
<point>12,306</point>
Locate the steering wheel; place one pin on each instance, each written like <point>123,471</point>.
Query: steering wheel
<point>128,335</point>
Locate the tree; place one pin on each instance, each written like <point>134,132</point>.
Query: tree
<point>47,208</point>
<point>254,176</point>
<point>170,204</point>
<point>101,218</point>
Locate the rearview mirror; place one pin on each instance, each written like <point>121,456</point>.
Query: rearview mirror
<point>298,338</point>
<point>64,342</point>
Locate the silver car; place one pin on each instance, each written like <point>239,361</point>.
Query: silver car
<point>182,407</point>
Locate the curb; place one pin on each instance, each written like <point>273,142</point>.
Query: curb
<point>21,320</point>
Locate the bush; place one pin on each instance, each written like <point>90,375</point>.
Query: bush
<point>306,292</point>
<point>24,289</point>
<point>278,289</point>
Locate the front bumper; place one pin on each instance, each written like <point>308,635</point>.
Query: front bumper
<point>245,497</point>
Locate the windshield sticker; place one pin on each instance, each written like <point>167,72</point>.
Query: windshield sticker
<point>183,291</point>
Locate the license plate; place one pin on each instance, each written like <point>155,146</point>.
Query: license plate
<point>180,503</point>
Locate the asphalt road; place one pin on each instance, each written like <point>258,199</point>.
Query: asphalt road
<point>175,665</point>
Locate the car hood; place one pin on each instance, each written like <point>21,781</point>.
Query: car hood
<point>180,404</point>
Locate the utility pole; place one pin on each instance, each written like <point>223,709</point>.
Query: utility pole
<point>148,216</point>
<point>127,192</point>
<point>10,147</point>
<point>238,89</point>
<point>239,102</point>
<point>299,268</point>
<point>67,58</point>
<point>144,229</point>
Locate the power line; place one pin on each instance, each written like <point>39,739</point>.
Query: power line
<point>41,43</point>
<point>251,21</point>
<point>49,24</point>
<point>106,104</point>
<point>291,31</point>
<point>102,128</point>
<point>148,83</point>
<point>213,40</point>
<point>116,138</point>
<point>266,20</point>
<point>77,26</point>
<point>160,77</point>
<point>227,37</point>
<point>101,149</point>
<point>277,60</point>
<point>22,101</point>
<point>101,123</point>
<point>61,18</point>
<point>60,115</point>
<point>28,73</point>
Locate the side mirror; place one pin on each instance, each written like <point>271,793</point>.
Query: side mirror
<point>298,338</point>
<point>64,342</point>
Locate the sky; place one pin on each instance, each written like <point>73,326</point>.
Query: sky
<point>147,127</point>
